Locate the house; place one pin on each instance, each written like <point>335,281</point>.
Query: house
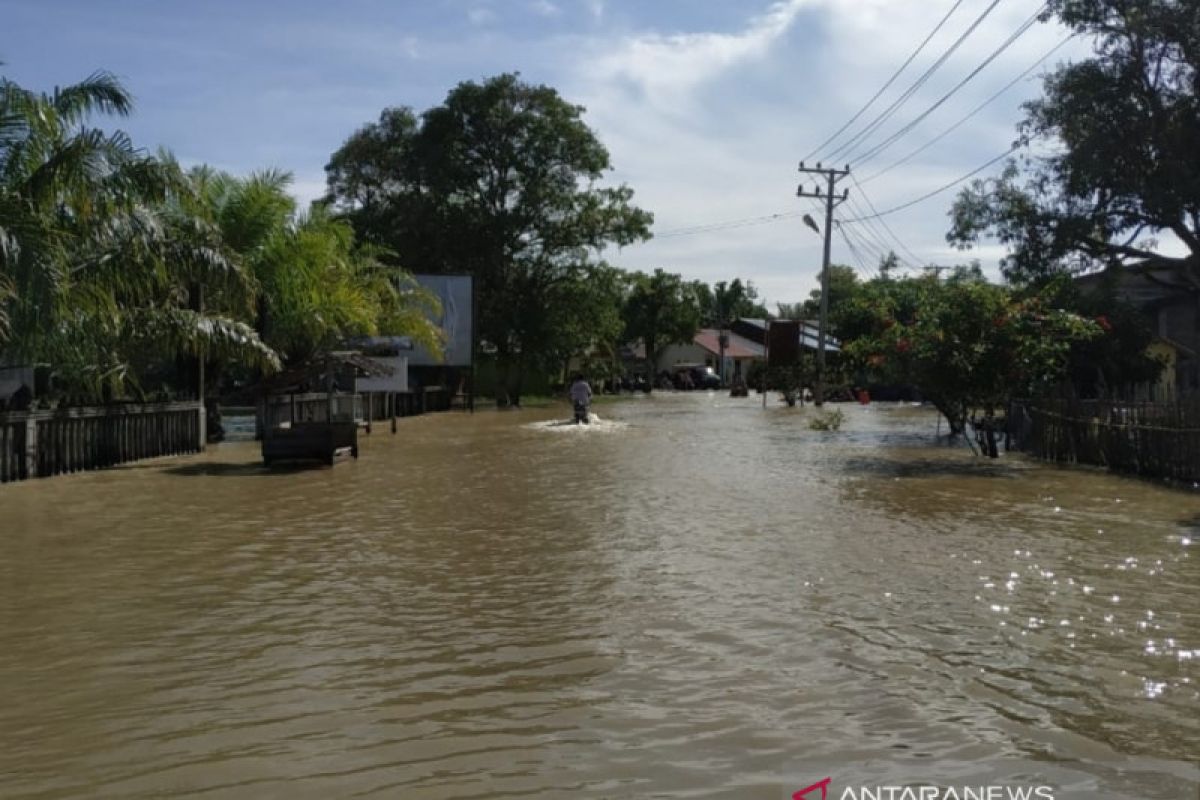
<point>1174,315</point>
<point>705,348</point>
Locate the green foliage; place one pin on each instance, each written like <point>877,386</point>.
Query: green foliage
<point>725,301</point>
<point>313,285</point>
<point>1124,168</point>
<point>827,420</point>
<point>965,343</point>
<point>661,309</point>
<point>499,181</point>
<point>98,244</point>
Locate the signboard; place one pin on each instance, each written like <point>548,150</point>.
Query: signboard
<point>396,382</point>
<point>456,294</point>
<point>783,343</point>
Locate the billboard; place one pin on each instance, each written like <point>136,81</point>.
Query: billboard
<point>783,343</point>
<point>457,320</point>
<point>396,382</point>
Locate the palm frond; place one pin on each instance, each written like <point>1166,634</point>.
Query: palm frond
<point>100,92</point>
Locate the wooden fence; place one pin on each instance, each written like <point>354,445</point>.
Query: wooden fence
<point>363,408</point>
<point>1159,440</point>
<point>53,442</point>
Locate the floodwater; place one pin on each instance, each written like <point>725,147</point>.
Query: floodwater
<point>694,597</point>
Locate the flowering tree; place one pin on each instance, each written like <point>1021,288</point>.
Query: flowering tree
<point>965,343</point>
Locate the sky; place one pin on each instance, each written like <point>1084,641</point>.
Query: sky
<point>706,106</point>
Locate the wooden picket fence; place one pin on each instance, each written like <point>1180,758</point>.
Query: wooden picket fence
<point>39,444</point>
<point>1153,439</point>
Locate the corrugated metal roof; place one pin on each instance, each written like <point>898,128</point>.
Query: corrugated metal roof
<point>737,347</point>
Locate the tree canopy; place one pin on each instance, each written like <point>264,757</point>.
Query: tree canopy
<point>1123,170</point>
<point>99,247</point>
<point>500,181</point>
<point>963,342</point>
<point>116,265</point>
<point>661,309</point>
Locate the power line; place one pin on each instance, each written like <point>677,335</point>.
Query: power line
<point>971,114</point>
<point>864,261</point>
<point>888,142</point>
<point>885,86</point>
<point>872,249</point>
<point>727,224</point>
<point>887,113</point>
<point>937,191</point>
<point>862,267</point>
<point>883,223</point>
<point>869,232</point>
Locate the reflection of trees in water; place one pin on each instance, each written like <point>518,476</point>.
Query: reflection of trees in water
<point>933,482</point>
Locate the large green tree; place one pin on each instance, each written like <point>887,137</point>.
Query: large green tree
<point>501,181</point>
<point>965,343</point>
<point>726,301</point>
<point>661,309</point>
<point>1123,169</point>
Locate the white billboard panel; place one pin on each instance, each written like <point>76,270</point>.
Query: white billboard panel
<point>456,295</point>
<point>396,382</point>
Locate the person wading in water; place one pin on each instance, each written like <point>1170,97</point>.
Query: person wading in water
<point>581,398</point>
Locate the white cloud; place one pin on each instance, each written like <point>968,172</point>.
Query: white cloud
<point>545,8</point>
<point>481,15</point>
<point>708,126</point>
<point>664,64</point>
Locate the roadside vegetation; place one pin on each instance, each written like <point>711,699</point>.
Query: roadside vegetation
<point>121,269</point>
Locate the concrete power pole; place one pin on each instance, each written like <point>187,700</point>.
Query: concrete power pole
<point>832,176</point>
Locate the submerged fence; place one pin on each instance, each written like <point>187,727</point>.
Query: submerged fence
<point>1159,440</point>
<point>363,408</point>
<point>38,444</point>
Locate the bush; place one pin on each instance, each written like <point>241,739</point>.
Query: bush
<point>827,420</point>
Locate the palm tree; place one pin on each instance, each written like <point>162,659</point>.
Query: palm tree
<point>313,286</point>
<point>100,258</point>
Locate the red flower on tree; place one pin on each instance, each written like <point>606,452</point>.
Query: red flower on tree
<point>1103,322</point>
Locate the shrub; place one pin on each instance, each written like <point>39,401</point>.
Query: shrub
<point>827,420</point>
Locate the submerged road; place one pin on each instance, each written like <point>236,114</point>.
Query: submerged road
<point>695,598</point>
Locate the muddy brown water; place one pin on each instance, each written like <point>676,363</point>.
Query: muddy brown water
<point>695,598</point>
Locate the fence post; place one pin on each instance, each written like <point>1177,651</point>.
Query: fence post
<point>203,426</point>
<point>31,447</point>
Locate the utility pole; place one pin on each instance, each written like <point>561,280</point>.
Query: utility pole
<point>832,176</point>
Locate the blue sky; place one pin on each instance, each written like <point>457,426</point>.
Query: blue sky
<point>706,107</point>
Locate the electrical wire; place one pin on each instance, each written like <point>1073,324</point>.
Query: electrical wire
<point>727,225</point>
<point>883,223</point>
<point>871,231</point>
<point>888,112</point>
<point>971,114</point>
<point>905,129</point>
<point>937,191</point>
<point>862,267</point>
<point>889,82</point>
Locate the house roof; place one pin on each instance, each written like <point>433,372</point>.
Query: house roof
<point>737,347</point>
<point>312,370</point>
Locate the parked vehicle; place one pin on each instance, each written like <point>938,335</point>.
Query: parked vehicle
<point>695,376</point>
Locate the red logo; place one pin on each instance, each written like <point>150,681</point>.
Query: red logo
<point>822,785</point>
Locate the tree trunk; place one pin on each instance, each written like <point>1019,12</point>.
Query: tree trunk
<point>502,368</point>
<point>955,414</point>
<point>517,378</point>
